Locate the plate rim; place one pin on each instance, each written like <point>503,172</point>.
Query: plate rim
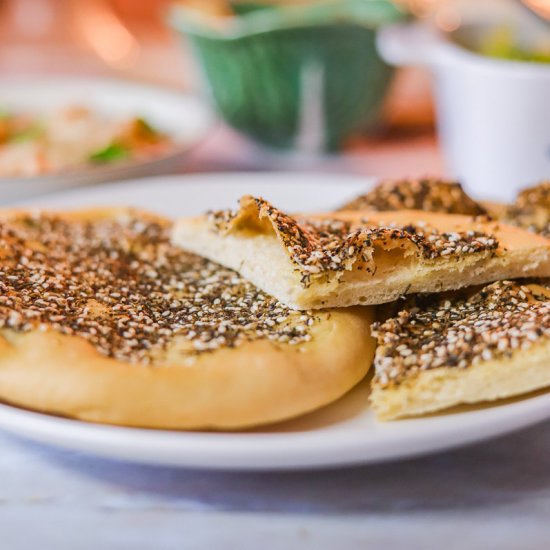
<point>267,451</point>
<point>241,451</point>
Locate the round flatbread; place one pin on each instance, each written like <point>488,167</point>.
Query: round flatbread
<point>102,319</point>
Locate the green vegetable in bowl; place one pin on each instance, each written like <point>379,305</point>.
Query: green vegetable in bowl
<point>503,43</point>
<point>111,153</point>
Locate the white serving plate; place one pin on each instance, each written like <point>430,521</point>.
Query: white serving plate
<point>184,117</point>
<point>345,432</point>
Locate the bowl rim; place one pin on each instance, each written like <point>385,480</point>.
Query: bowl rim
<point>422,44</point>
<point>185,20</point>
<point>464,56</point>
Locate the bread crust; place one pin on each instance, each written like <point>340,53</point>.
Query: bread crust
<point>474,346</point>
<point>530,210</point>
<point>256,382</point>
<point>426,194</point>
<point>442,388</point>
<point>253,244</point>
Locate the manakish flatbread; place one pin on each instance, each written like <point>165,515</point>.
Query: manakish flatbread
<point>102,319</point>
<point>477,345</point>
<point>361,257</point>
<point>426,194</point>
<point>531,209</point>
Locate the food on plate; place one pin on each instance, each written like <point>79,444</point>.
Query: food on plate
<point>471,346</point>
<point>427,194</point>
<point>531,209</point>
<point>71,138</point>
<point>103,319</point>
<point>361,257</point>
<point>119,316</point>
<point>504,42</point>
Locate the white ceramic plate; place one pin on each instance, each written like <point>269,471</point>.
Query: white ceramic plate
<point>342,433</point>
<point>187,119</point>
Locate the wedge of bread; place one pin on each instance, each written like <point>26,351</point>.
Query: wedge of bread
<point>483,344</point>
<point>361,257</point>
<point>531,209</point>
<point>427,194</point>
<point>102,319</point>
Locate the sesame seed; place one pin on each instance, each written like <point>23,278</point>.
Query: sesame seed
<point>427,194</point>
<point>319,247</point>
<point>531,210</point>
<point>121,285</point>
<point>471,327</point>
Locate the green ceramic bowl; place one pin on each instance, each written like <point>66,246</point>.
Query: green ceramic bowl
<point>301,78</point>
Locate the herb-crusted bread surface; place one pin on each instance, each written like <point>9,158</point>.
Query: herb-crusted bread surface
<point>103,319</point>
<point>361,257</point>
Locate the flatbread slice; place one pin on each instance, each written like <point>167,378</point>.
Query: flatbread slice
<point>427,194</point>
<point>531,209</point>
<point>104,320</point>
<point>349,258</point>
<point>484,344</point>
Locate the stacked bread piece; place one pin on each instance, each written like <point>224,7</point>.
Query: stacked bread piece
<point>467,314</point>
<point>240,318</point>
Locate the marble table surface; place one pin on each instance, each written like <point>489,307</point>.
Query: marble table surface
<point>491,495</point>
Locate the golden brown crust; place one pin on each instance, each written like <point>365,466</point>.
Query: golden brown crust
<point>255,384</point>
<point>538,195</point>
<point>325,244</point>
<point>440,389</point>
<point>426,194</point>
<point>97,324</point>
<point>348,258</point>
<point>531,209</point>
<point>476,345</point>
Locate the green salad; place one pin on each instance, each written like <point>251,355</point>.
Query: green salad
<point>504,43</point>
